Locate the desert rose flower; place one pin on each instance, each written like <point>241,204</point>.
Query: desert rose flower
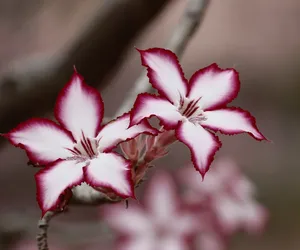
<point>161,224</point>
<point>191,107</point>
<point>77,149</point>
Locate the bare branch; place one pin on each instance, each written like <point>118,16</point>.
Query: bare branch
<point>187,26</point>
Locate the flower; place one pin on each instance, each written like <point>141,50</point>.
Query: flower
<point>163,223</point>
<point>228,195</point>
<point>78,149</point>
<point>191,107</point>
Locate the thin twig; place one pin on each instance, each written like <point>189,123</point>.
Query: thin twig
<point>192,17</point>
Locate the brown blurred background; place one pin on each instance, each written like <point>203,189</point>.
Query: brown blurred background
<point>41,40</point>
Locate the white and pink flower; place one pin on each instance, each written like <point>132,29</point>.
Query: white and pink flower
<point>191,107</point>
<point>161,224</point>
<point>228,195</point>
<point>78,149</point>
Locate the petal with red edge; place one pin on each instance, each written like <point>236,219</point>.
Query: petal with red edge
<point>55,179</point>
<point>161,197</point>
<point>79,108</point>
<point>215,86</point>
<point>117,131</point>
<point>202,144</point>
<point>147,105</point>
<point>165,73</point>
<point>132,221</point>
<point>110,171</point>
<point>232,121</point>
<point>43,140</point>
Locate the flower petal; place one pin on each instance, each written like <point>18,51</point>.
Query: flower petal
<point>202,143</point>
<point>165,73</point>
<point>132,221</point>
<point>147,105</point>
<point>256,218</point>
<point>215,86</point>
<point>229,213</point>
<point>43,140</point>
<point>138,243</point>
<point>79,108</point>
<point>161,198</point>
<point>172,243</point>
<point>232,121</point>
<point>110,171</point>
<point>117,131</point>
<point>53,181</point>
<point>211,241</point>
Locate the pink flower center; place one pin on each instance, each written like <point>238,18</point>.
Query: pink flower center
<point>191,109</point>
<point>85,148</point>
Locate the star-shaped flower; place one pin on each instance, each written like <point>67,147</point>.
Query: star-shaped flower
<point>191,107</point>
<point>78,149</point>
<point>163,223</point>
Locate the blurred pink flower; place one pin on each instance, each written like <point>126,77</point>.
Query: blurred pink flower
<point>210,241</point>
<point>162,224</point>
<point>226,193</point>
<point>191,107</point>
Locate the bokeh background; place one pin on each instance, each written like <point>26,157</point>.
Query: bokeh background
<point>41,40</point>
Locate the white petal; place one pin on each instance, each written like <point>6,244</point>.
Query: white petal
<point>172,243</point>
<point>79,108</point>
<point>138,243</point>
<point>147,105</point>
<point>232,121</point>
<point>256,217</point>
<point>229,213</point>
<point>43,140</point>
<point>215,86</point>
<point>161,198</point>
<point>117,131</point>
<point>165,73</point>
<point>110,171</point>
<point>202,144</point>
<point>53,180</point>
<point>130,221</point>
<point>186,223</point>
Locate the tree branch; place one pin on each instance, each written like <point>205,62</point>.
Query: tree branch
<point>31,87</point>
<point>192,17</point>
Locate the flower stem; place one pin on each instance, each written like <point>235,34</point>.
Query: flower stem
<point>42,236</point>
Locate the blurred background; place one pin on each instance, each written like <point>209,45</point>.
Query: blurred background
<point>42,40</point>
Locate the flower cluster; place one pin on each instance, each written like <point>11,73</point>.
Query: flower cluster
<point>78,154</point>
<point>162,223</point>
<point>205,216</point>
<point>225,203</point>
